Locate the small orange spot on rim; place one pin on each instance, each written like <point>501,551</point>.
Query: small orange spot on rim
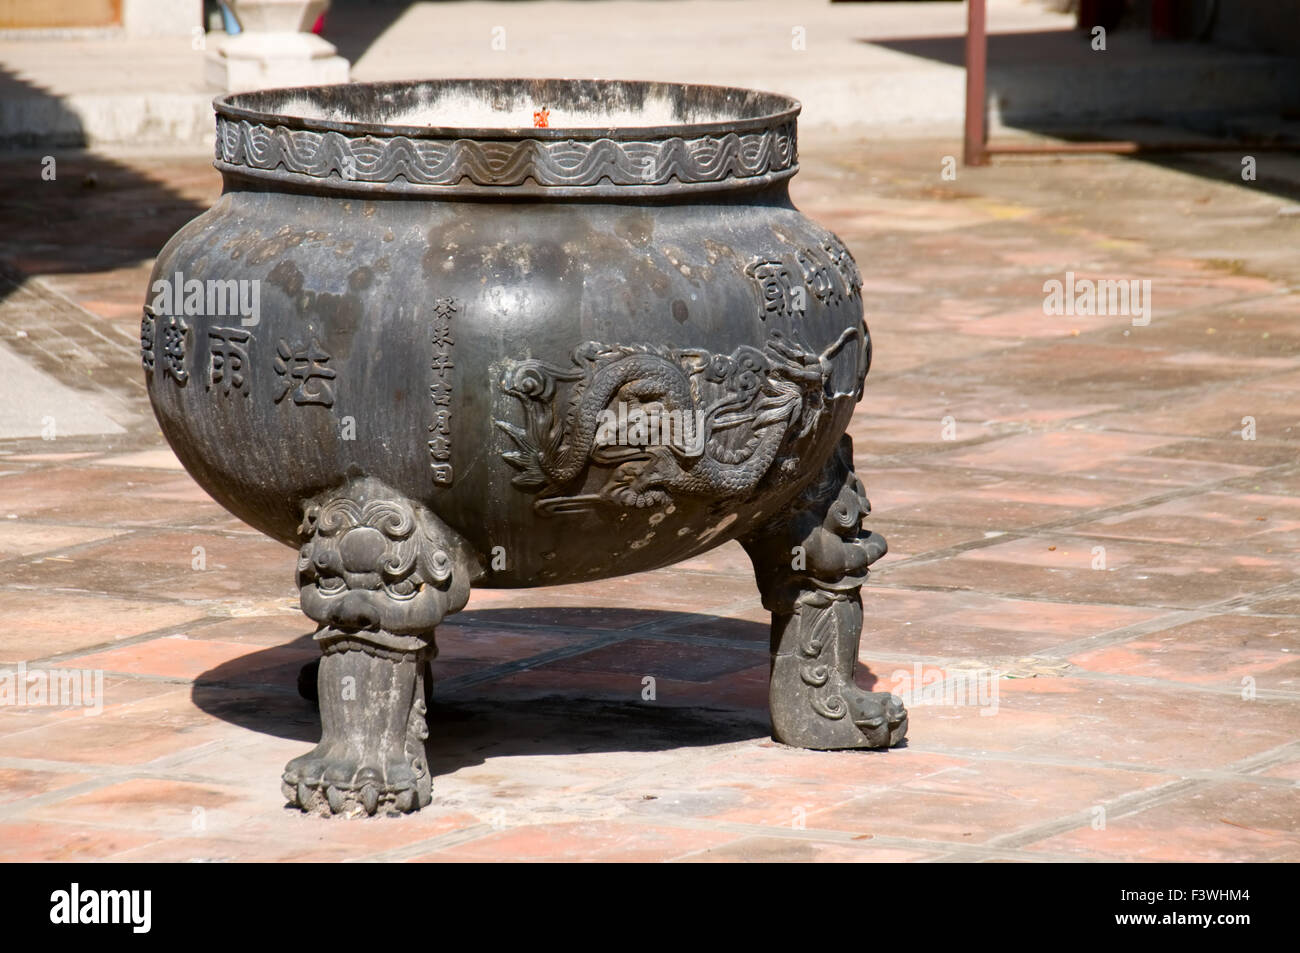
<point>541,118</point>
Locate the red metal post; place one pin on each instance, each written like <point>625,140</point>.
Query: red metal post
<point>976,61</point>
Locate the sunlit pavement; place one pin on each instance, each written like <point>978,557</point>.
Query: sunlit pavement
<point>1093,521</point>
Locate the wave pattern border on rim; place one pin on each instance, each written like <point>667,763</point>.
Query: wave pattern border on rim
<point>322,155</point>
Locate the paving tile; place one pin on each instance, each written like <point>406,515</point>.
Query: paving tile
<point>776,786</point>
<point>786,850</point>
<point>1083,569</point>
<point>267,630</point>
<point>1223,823</point>
<point>39,623</point>
<point>1285,603</point>
<point>161,459</point>
<point>895,348</point>
<point>1272,481</point>
<point>974,803</point>
<point>1261,330</point>
<point>159,806</point>
<point>129,734</point>
<point>28,842</point>
<point>951,497</point>
<point>902,434</point>
<point>969,399</point>
<point>103,496</point>
<point>1249,453</point>
<point>96,698</point>
<point>729,558</point>
<point>974,625</point>
<point>1231,651</point>
<point>1056,452</point>
<point>584,841</point>
<point>555,610</point>
<point>1259,522</point>
<point>177,656</point>
<point>1116,365</point>
<point>1155,469</point>
<point>1030,322</point>
<point>23,539</point>
<point>191,566</point>
<point>18,784</point>
<point>571,753</point>
<point>49,457</point>
<point>674,662</point>
<point>1143,726</point>
<point>209,848</point>
<point>752,624</point>
<point>619,603</point>
<point>282,837</point>
<point>908,539</point>
<point>1220,416</point>
<point>743,689</point>
<point>239,709</point>
<point>1289,770</point>
<point>1288,381</point>
<point>481,646</point>
<point>511,781</point>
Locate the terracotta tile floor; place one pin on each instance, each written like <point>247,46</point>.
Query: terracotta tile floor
<point>1074,516</point>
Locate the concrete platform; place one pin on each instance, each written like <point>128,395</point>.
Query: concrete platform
<point>40,405</point>
<point>883,68</point>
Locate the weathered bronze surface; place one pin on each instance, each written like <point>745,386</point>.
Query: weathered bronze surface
<point>474,351</point>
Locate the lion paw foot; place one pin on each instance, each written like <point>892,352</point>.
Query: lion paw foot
<point>334,780</point>
<point>880,716</point>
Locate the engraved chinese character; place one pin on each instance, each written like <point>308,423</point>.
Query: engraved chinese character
<point>844,264</point>
<point>441,420</point>
<point>440,391</point>
<point>228,356</point>
<point>167,348</point>
<point>444,309</point>
<point>775,288</point>
<point>440,447</point>
<point>174,347</point>
<point>440,335</point>
<point>306,367</point>
<point>817,276</point>
<point>147,323</point>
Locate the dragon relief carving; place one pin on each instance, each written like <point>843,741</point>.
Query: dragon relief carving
<point>742,417</point>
